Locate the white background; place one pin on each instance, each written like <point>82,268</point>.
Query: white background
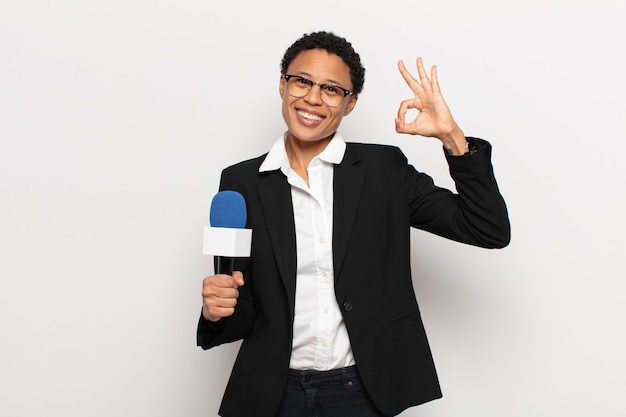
<point>117,117</point>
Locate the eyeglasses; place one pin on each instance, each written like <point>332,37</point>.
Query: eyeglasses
<point>332,95</point>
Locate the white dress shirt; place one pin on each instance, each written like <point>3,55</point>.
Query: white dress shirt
<point>320,338</point>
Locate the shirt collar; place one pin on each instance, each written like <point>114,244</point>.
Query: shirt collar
<point>277,156</point>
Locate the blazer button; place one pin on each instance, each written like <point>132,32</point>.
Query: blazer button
<point>347,306</point>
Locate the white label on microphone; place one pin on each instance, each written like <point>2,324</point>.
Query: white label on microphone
<point>224,241</point>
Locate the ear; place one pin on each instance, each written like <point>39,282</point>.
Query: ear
<point>351,103</point>
<point>281,86</point>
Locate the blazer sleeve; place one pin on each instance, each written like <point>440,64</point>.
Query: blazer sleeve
<point>476,214</point>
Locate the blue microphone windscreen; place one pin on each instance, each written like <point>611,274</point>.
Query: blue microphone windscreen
<point>228,209</point>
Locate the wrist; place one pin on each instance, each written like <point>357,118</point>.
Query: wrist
<point>455,142</point>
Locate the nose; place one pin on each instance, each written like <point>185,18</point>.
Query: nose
<point>314,96</point>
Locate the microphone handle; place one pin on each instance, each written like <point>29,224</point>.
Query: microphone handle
<point>224,265</point>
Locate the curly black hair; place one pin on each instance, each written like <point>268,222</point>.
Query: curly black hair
<point>331,43</point>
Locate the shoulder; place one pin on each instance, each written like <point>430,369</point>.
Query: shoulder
<point>249,165</point>
<point>370,147</point>
<point>241,175</point>
<point>373,152</point>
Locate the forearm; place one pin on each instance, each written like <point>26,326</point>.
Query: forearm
<point>229,329</point>
<point>483,215</point>
<point>475,215</point>
<point>454,142</point>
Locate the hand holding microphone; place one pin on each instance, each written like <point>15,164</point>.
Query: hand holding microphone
<point>226,239</point>
<point>219,294</point>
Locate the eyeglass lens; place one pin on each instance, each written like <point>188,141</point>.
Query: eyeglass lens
<point>300,87</point>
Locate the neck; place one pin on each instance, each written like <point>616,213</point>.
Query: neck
<point>301,153</point>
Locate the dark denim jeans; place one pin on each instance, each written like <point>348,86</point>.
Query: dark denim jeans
<point>336,393</point>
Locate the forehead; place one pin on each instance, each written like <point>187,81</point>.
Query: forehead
<point>321,66</point>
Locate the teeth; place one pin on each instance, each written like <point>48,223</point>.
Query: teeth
<point>309,116</point>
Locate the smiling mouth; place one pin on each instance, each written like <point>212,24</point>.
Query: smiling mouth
<point>309,116</point>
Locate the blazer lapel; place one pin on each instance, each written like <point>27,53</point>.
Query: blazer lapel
<point>275,197</point>
<point>348,185</point>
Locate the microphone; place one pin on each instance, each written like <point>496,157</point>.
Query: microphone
<point>226,238</point>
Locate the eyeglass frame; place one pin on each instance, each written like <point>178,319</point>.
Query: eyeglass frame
<point>322,86</point>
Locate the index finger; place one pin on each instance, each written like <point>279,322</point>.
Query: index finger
<point>221,280</point>
<point>412,82</point>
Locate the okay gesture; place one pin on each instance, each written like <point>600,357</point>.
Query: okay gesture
<point>434,118</point>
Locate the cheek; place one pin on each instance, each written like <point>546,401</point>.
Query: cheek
<point>286,108</point>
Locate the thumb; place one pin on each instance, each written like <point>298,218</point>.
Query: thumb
<point>238,276</point>
<point>398,122</point>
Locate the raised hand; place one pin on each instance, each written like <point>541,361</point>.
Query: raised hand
<point>434,118</point>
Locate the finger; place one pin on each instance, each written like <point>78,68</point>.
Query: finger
<point>220,287</point>
<point>404,106</point>
<point>221,292</point>
<point>408,78</point>
<point>221,302</point>
<point>215,308</point>
<point>400,121</point>
<point>214,313</point>
<point>213,303</point>
<point>400,126</point>
<point>434,79</point>
<point>422,74</point>
<point>220,280</point>
<point>405,73</point>
<point>410,103</point>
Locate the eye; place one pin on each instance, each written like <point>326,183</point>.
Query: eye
<point>332,90</point>
<point>304,81</point>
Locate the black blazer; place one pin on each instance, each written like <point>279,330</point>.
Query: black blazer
<point>378,196</point>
